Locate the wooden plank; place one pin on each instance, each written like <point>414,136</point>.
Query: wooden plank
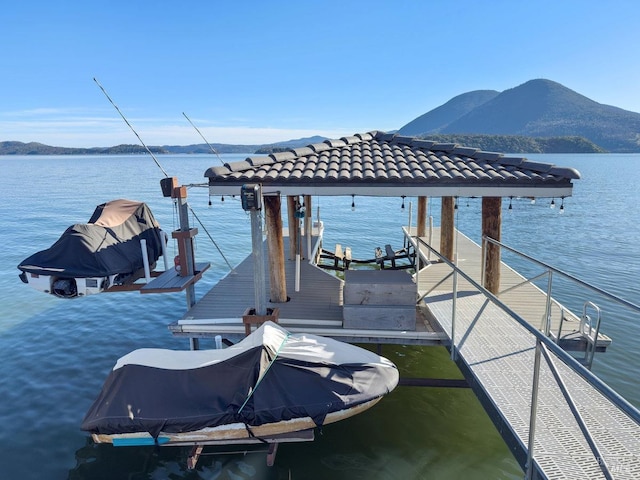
<point>172,281</point>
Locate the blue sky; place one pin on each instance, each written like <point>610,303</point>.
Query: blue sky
<point>263,71</point>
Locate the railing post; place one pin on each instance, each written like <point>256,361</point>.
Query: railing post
<point>453,307</point>
<point>534,410</point>
<point>483,252</point>
<point>547,326</point>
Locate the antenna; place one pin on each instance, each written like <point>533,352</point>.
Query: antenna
<point>132,129</point>
<point>212,149</point>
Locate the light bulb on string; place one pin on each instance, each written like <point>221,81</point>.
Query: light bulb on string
<point>510,204</point>
<point>553,203</point>
<point>562,205</point>
<point>455,203</point>
<point>222,198</point>
<point>402,207</point>
<point>533,200</point>
<point>353,203</point>
<point>209,200</point>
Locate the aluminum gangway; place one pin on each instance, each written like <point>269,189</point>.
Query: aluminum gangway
<point>558,418</point>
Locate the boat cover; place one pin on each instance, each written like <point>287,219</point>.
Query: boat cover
<point>269,376</point>
<point>108,244</point>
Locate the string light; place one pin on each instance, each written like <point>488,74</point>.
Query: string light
<point>562,206</point>
<point>209,199</point>
<point>553,203</point>
<point>402,207</point>
<point>353,202</point>
<point>222,198</point>
<point>510,204</point>
<point>533,200</point>
<point>455,203</point>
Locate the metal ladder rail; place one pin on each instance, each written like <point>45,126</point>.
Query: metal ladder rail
<point>589,332</point>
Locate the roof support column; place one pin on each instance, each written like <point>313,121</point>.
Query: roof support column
<point>447,227</point>
<point>422,217</point>
<point>292,205</point>
<point>492,228</point>
<point>275,249</point>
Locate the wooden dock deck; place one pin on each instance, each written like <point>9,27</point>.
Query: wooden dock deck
<point>317,308</point>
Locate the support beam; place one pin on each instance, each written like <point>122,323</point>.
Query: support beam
<point>292,204</point>
<point>422,216</point>
<point>492,227</point>
<point>275,248</point>
<point>447,227</point>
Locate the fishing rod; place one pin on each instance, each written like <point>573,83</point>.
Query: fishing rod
<point>132,129</point>
<point>212,149</point>
<point>163,170</point>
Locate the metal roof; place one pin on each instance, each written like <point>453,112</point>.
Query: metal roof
<point>383,164</point>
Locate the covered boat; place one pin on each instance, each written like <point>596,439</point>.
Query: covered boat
<point>270,383</point>
<point>91,257</point>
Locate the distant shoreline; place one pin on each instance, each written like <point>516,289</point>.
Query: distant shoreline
<point>491,143</point>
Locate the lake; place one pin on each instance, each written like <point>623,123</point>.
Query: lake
<point>55,353</point>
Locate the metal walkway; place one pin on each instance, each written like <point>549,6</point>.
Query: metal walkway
<point>580,428</point>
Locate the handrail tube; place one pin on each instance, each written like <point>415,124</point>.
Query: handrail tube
<point>609,295</point>
<point>547,311</point>
<point>453,313</point>
<point>602,387</point>
<point>576,414</point>
<point>533,415</point>
<point>591,342</point>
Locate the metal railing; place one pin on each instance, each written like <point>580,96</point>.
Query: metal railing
<point>551,273</point>
<point>544,347</point>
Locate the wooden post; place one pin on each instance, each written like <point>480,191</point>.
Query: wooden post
<point>185,246</point>
<point>447,226</point>
<point>292,203</point>
<point>275,249</point>
<point>422,217</point>
<point>492,227</point>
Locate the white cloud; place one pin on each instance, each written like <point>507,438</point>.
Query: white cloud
<point>72,128</point>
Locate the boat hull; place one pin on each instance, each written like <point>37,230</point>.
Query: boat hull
<point>231,432</point>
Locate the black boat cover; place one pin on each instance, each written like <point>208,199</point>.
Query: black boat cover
<point>269,376</point>
<point>108,244</point>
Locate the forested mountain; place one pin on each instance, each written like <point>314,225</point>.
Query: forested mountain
<point>538,108</point>
<point>518,144</point>
<point>439,118</point>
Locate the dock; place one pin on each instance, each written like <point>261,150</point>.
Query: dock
<point>579,429</point>
<point>316,308</point>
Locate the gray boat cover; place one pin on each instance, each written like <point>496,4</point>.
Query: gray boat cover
<point>269,376</point>
<point>108,244</point>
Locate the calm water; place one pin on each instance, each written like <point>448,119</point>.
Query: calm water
<point>55,354</point>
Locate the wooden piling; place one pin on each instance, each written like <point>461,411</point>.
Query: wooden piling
<point>447,227</point>
<point>492,227</point>
<point>275,248</point>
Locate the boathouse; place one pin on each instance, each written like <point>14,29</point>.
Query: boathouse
<point>386,165</point>
<point>506,334</point>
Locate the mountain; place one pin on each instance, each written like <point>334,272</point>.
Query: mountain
<point>439,118</point>
<point>541,108</point>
